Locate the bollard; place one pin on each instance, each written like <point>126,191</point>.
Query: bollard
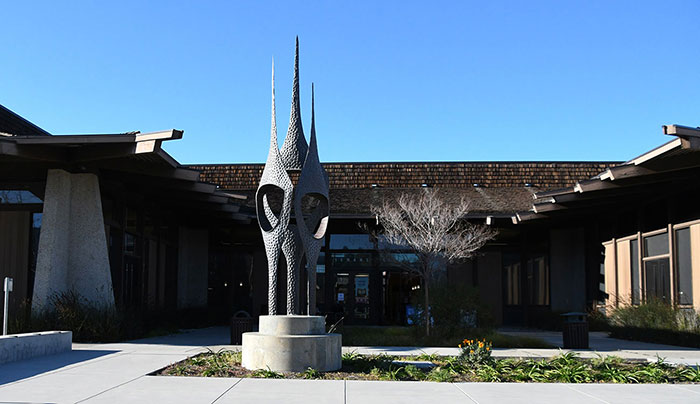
<point>8,289</point>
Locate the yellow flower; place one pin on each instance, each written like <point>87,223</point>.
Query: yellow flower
<point>460,345</point>
<point>487,348</point>
<point>471,352</point>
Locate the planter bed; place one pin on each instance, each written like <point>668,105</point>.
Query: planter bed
<point>565,368</point>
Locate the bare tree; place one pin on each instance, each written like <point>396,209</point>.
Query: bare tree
<point>433,229</point>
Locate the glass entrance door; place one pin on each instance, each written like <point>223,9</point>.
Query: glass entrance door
<point>361,295</point>
<point>353,296</point>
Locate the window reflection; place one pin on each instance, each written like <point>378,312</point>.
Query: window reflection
<point>18,196</point>
<point>685,267</point>
<point>351,242</point>
<point>399,259</point>
<point>656,245</point>
<point>538,281</point>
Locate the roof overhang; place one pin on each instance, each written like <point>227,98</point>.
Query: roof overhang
<point>673,162</point>
<point>82,148</point>
<point>136,160</point>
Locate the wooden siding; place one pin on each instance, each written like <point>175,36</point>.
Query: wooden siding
<point>14,255</point>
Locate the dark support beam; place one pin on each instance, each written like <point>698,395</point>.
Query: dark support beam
<point>95,152</point>
<point>136,167</point>
<point>52,154</point>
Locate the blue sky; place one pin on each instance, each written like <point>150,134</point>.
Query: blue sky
<point>395,80</point>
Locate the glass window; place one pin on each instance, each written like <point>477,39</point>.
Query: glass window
<point>656,245</point>
<point>321,263</point>
<point>384,244</point>
<point>657,279</point>
<point>129,243</point>
<point>351,242</point>
<point>634,260</point>
<point>362,289</point>
<point>341,287</point>
<point>18,196</point>
<point>409,260</point>
<point>34,248</point>
<point>684,267</point>
<point>131,219</point>
<point>511,279</point>
<point>538,281</point>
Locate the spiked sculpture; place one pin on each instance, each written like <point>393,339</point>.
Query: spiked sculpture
<point>292,342</point>
<point>303,239</point>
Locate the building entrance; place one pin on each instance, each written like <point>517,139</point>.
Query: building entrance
<point>357,297</point>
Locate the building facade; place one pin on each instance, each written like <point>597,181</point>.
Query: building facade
<point>118,221</point>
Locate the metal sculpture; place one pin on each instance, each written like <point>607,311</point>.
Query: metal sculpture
<point>303,239</point>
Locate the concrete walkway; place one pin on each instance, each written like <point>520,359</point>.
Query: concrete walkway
<point>110,373</point>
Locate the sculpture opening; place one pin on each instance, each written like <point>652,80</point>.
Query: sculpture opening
<point>316,211</point>
<point>268,201</point>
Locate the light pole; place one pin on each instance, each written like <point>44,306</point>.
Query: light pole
<point>8,289</point>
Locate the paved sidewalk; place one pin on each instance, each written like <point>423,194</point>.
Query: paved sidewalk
<point>111,373</point>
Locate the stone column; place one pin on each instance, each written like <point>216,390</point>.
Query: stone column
<point>72,252</point>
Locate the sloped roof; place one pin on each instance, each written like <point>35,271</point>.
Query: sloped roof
<point>542,175</point>
<point>655,172</point>
<point>502,188</point>
<point>13,124</point>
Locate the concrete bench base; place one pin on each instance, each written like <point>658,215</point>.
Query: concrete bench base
<point>16,347</point>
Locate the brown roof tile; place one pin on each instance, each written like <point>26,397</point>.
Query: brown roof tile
<point>543,175</point>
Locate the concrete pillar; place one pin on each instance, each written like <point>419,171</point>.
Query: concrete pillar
<point>193,268</point>
<point>72,252</point>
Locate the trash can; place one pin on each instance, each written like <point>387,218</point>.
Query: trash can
<point>240,322</point>
<point>575,330</point>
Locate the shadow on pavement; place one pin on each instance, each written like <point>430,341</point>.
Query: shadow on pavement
<point>14,371</point>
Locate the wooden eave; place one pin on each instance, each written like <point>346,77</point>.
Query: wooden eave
<point>675,162</point>
<point>136,159</point>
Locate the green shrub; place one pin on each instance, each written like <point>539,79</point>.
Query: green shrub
<point>90,322</point>
<point>656,321</point>
<point>454,307</point>
<point>654,313</point>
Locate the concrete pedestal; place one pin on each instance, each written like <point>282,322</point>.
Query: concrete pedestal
<point>292,344</point>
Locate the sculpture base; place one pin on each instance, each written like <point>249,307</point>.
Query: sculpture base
<point>292,344</point>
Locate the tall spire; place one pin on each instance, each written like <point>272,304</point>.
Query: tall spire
<point>273,126</point>
<point>313,120</point>
<point>312,137</point>
<point>295,147</point>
